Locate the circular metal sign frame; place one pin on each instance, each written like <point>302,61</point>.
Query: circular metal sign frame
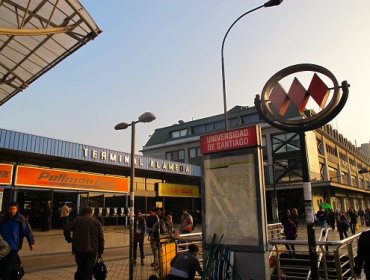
<point>325,115</point>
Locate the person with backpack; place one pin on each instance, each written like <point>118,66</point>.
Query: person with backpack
<point>13,227</point>
<point>186,224</point>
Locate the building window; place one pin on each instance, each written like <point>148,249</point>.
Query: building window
<point>288,170</point>
<point>250,119</point>
<point>343,157</point>
<point>345,178</point>
<point>179,133</point>
<point>200,129</point>
<point>234,122</point>
<point>322,171</point>
<point>219,125</point>
<point>333,174</point>
<point>331,150</point>
<point>287,142</point>
<point>320,146</point>
<point>353,181</point>
<point>178,155</point>
<point>194,152</point>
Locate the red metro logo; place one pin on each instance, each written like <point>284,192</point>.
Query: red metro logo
<point>301,108</point>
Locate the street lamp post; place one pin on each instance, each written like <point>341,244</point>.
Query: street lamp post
<point>266,5</point>
<point>144,118</point>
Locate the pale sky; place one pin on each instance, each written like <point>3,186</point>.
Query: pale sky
<point>164,56</point>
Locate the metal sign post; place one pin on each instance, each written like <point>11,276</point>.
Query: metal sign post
<point>273,107</point>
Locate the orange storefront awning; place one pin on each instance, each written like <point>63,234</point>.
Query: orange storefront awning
<point>6,174</point>
<point>68,180</point>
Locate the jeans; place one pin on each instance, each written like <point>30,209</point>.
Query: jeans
<point>154,244</point>
<point>141,246</point>
<point>6,265</point>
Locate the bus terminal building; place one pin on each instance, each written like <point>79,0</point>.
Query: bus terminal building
<point>41,174</point>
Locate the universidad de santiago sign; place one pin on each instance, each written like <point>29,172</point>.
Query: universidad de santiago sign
<point>229,140</point>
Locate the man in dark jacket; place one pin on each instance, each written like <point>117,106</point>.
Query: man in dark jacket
<point>363,254</point>
<point>13,227</point>
<point>87,242</point>
<point>139,233</point>
<point>151,220</point>
<point>185,265</point>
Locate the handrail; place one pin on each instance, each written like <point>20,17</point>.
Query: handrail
<point>323,233</point>
<point>342,256</point>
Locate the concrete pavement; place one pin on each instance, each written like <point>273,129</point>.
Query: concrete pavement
<point>52,257</point>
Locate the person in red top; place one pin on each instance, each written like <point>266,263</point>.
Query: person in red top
<point>186,224</point>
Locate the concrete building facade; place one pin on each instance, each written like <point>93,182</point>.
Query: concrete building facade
<point>334,162</point>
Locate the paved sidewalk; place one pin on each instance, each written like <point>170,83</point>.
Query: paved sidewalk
<point>52,257</point>
<point>116,270</point>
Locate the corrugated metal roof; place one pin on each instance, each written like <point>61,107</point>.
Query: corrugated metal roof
<point>35,35</point>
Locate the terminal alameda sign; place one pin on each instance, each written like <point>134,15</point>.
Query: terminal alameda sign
<point>229,140</point>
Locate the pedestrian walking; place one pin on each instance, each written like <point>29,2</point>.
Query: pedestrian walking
<point>342,223</point>
<point>285,216</point>
<point>139,234</point>
<point>321,218</point>
<point>331,219</point>
<point>153,235</point>
<point>361,214</point>
<point>353,220</point>
<point>295,216</point>
<point>64,214</point>
<point>185,264</point>
<point>13,228</point>
<point>290,232</point>
<point>186,223</point>
<point>363,255</point>
<point>87,242</point>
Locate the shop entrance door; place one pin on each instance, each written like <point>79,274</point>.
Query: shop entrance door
<point>37,207</point>
<point>59,199</point>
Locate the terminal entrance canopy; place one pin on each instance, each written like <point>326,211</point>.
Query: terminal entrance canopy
<point>35,35</point>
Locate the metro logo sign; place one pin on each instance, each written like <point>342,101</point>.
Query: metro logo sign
<point>229,140</point>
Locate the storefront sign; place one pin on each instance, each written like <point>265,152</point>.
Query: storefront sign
<point>57,179</point>
<point>139,161</point>
<point>6,172</point>
<point>177,190</point>
<point>229,140</point>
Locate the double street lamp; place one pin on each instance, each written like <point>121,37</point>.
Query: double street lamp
<point>144,118</point>
<point>266,5</point>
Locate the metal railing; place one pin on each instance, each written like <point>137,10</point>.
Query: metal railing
<point>335,258</point>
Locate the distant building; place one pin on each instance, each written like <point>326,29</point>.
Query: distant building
<point>334,161</point>
<point>365,149</point>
